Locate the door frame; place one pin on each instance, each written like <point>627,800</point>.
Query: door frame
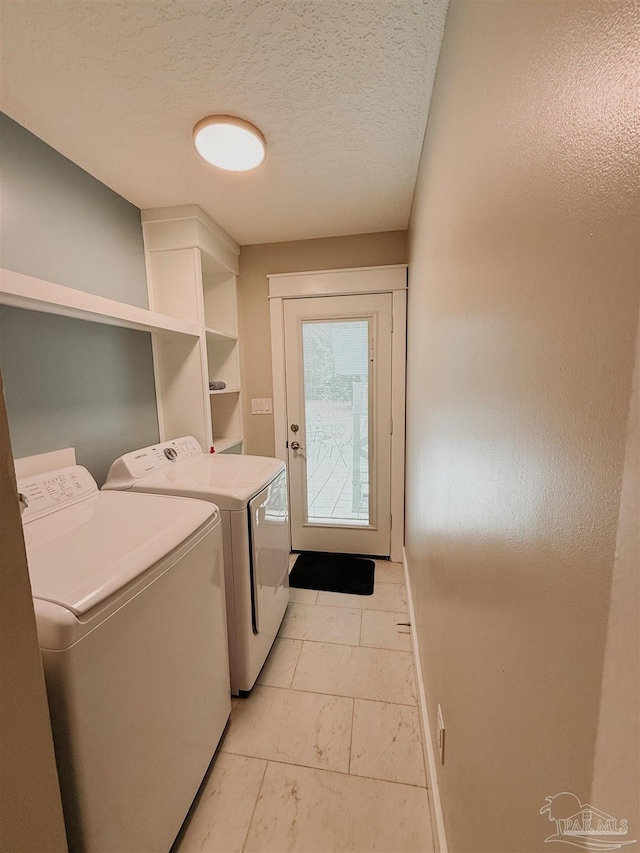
<point>346,282</point>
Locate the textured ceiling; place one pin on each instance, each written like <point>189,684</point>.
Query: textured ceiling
<point>340,89</point>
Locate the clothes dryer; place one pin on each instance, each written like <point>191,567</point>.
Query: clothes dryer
<point>129,601</point>
<point>251,492</point>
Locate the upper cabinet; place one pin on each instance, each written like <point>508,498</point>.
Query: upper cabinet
<point>192,268</point>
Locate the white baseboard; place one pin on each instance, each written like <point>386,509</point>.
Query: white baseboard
<point>435,805</point>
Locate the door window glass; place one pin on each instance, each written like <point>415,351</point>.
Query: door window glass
<point>337,421</point>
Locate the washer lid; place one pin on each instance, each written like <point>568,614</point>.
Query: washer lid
<point>230,481</point>
<point>81,554</point>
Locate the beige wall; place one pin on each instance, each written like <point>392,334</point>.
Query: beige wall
<point>258,261</point>
<point>523,312</point>
<point>30,807</point>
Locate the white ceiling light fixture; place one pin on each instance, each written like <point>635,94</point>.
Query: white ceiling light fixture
<point>229,143</point>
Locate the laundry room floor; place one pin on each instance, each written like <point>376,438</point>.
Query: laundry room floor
<point>325,754</point>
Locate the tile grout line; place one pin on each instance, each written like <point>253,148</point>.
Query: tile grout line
<point>346,645</point>
<point>334,695</point>
<point>363,595</point>
<point>327,642</point>
<point>295,668</point>
<point>319,770</point>
<point>253,810</point>
<point>352,606</point>
<point>353,715</point>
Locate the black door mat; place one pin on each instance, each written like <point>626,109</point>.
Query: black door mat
<point>333,573</point>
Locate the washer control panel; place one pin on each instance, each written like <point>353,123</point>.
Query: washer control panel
<point>44,493</point>
<point>149,460</point>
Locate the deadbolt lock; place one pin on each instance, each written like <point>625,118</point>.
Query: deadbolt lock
<point>294,427</point>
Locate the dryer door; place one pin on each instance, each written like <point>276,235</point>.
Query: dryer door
<point>269,520</point>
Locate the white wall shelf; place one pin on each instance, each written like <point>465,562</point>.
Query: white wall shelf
<point>225,445</point>
<point>36,294</point>
<point>222,336</point>
<point>224,391</point>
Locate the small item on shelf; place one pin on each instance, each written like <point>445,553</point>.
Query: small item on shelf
<point>217,385</point>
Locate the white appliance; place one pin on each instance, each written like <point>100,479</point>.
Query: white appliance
<point>130,609</point>
<point>251,492</point>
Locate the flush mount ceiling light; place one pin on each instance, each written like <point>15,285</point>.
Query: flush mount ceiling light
<point>229,143</point>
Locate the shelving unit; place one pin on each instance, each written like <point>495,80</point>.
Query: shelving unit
<point>176,338</point>
<point>192,268</point>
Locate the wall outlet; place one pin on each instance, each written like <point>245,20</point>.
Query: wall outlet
<point>440,734</point>
<point>261,406</point>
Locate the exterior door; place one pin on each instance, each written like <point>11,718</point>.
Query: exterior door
<point>338,401</point>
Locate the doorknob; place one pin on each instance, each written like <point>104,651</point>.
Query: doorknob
<point>295,445</point>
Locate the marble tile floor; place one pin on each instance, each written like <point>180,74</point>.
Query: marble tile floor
<point>325,754</point>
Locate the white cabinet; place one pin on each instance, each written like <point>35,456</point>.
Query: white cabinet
<point>192,268</point>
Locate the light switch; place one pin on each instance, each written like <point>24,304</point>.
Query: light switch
<point>261,406</point>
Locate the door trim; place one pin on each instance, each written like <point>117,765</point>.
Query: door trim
<point>384,279</point>
<point>338,282</point>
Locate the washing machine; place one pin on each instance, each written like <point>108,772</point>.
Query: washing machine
<point>130,610</point>
<point>251,492</point>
